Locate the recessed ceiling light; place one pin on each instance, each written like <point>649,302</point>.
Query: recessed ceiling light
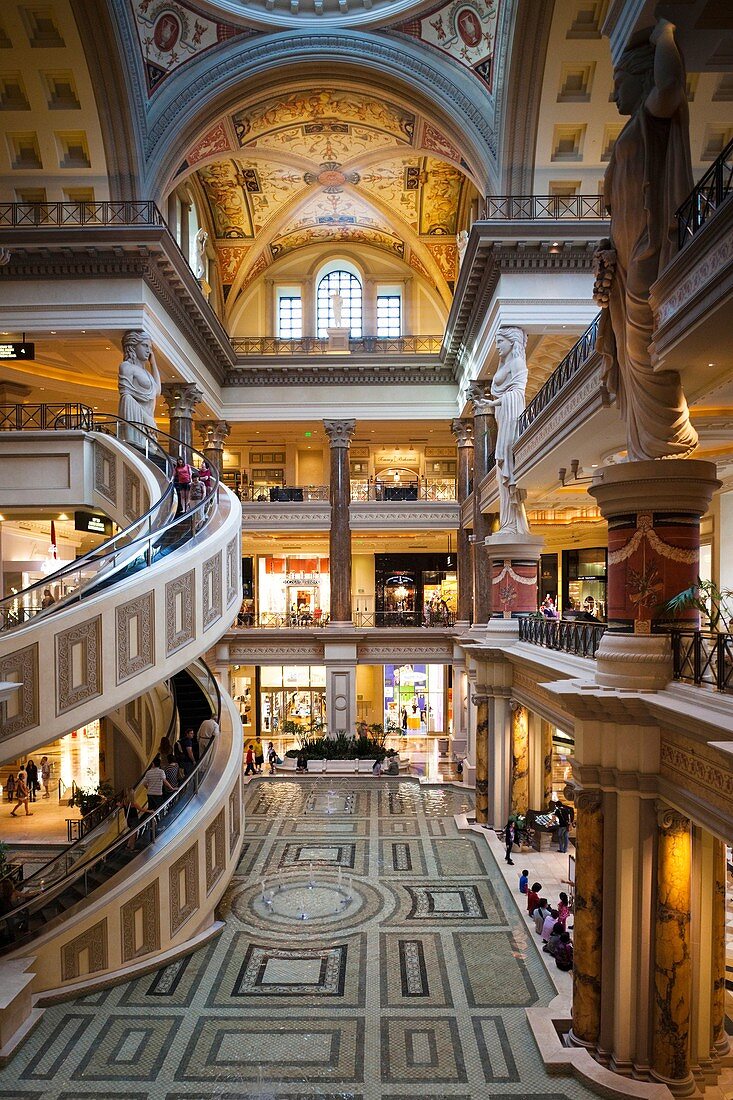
<point>711,364</point>
<point>594,465</point>
<point>53,331</point>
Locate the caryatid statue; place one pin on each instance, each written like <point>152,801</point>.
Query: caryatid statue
<point>139,387</point>
<point>647,179</point>
<point>508,388</point>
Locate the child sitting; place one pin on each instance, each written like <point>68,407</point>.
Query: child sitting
<point>524,882</point>
<point>564,952</point>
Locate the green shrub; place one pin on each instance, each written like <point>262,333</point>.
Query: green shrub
<point>340,747</point>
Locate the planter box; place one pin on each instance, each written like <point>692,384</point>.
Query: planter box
<point>339,767</point>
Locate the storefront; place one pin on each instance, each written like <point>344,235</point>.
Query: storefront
<point>292,700</point>
<point>415,589</point>
<point>293,591</point>
<point>416,699</point>
<point>584,574</point>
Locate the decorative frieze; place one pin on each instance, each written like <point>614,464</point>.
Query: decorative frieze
<point>179,612</point>
<point>183,888</point>
<point>211,594</point>
<point>215,851</point>
<point>105,472</point>
<point>85,954</point>
<point>233,570</point>
<point>140,923</point>
<point>235,815</point>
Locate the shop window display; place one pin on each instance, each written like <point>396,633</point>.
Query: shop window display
<point>584,583</point>
<point>293,591</point>
<point>415,590</point>
<point>414,698</point>
<point>292,700</point>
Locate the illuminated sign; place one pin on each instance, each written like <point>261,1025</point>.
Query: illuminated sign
<point>17,351</point>
<point>92,523</point>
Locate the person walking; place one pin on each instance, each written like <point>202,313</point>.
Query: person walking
<point>509,835</point>
<point>21,794</point>
<point>563,828</point>
<point>272,758</point>
<point>32,783</point>
<point>249,762</point>
<point>155,783</point>
<point>46,776</point>
<point>182,483</point>
<point>259,754</point>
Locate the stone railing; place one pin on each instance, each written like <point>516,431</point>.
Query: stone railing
<point>707,197</point>
<point>543,208</point>
<point>245,346</point>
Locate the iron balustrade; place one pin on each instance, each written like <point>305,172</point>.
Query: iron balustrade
<point>543,208</point>
<point>702,657</point>
<point>430,490</point>
<point>707,197</point>
<point>315,345</point>
<point>283,494</point>
<point>63,416</point>
<point>274,620</point>
<point>563,374</point>
<point>565,635</point>
<point>19,215</point>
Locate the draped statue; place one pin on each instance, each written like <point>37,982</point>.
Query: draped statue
<point>508,387</point>
<point>647,179</point>
<point>139,388</point>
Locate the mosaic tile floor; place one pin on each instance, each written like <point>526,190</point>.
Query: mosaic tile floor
<point>390,964</point>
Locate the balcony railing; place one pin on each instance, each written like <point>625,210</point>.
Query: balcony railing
<point>438,490</point>
<point>543,208</point>
<point>63,416</point>
<point>709,194</point>
<point>565,635</point>
<point>561,376</point>
<point>699,657</point>
<point>307,620</point>
<point>19,215</point>
<point>314,345</point>
<point>283,494</point>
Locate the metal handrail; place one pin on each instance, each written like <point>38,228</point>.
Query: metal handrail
<point>261,493</point>
<point>543,208</point>
<point>20,215</point>
<point>318,345</point>
<point>59,416</point>
<point>564,635</point>
<point>564,372</point>
<point>190,786</point>
<point>703,657</point>
<point>106,554</point>
<point>706,197</point>
<point>435,490</point>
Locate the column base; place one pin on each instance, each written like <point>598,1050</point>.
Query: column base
<point>573,1040</point>
<point>685,1087</point>
<point>635,662</point>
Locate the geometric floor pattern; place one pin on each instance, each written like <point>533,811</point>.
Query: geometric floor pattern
<point>414,988</point>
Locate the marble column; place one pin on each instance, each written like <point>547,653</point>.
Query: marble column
<point>520,759</point>
<point>672,958</point>
<point>460,700</point>
<point>481,703</point>
<point>181,399</point>
<point>212,434</point>
<point>484,438</point>
<point>653,511</point>
<point>588,918</point>
<point>463,431</point>
<point>547,761</point>
<point>719,1040</point>
<point>340,433</point>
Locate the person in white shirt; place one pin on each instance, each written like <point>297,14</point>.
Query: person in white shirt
<point>155,784</point>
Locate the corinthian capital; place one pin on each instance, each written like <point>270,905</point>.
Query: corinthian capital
<point>339,432</point>
<point>463,431</point>
<point>479,394</point>
<point>589,801</point>
<point>181,397</point>
<point>213,433</point>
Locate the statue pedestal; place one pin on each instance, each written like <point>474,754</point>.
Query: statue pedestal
<point>338,340</point>
<point>653,509</point>
<point>514,567</point>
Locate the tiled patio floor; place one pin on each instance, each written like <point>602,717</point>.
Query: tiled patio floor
<point>414,988</point>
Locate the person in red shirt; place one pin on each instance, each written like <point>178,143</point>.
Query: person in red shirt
<point>249,761</point>
<point>533,897</point>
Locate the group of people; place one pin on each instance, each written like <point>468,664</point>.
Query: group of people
<point>588,613</point>
<point>550,923</point>
<point>254,759</point>
<point>24,787</point>
<point>191,484</point>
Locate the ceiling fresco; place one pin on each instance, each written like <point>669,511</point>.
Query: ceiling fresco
<point>328,164</point>
<point>463,29</point>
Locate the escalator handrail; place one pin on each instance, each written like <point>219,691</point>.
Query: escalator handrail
<point>93,557</point>
<point>190,784</point>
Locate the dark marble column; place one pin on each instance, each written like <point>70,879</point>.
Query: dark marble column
<point>719,1039</point>
<point>672,958</point>
<point>463,431</point>
<point>481,702</point>
<point>181,399</point>
<point>339,434</point>
<point>588,918</point>
<point>213,433</point>
<point>484,439</point>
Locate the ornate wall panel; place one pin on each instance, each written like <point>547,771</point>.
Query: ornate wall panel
<point>135,649</point>
<point>131,495</point>
<point>179,617</point>
<point>140,923</point>
<point>21,712</point>
<point>235,815</point>
<point>233,552</point>
<point>85,954</point>
<point>215,851</point>
<point>105,472</point>
<point>183,888</point>
<point>211,596</point>
<point>78,664</point>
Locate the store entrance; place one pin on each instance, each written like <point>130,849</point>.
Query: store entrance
<point>292,701</point>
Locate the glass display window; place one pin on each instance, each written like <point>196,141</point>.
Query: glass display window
<point>584,574</point>
<point>414,698</point>
<point>293,591</point>
<point>243,694</point>
<point>292,699</point>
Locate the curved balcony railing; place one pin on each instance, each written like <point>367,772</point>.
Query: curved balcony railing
<point>564,635</point>
<point>145,541</point>
<point>701,657</point>
<point>543,208</point>
<point>61,416</point>
<point>19,215</point>
<point>561,376</point>
<point>707,197</point>
<point>70,878</point>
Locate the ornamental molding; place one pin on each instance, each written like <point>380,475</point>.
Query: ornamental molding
<point>211,590</point>
<point>462,429</point>
<point>235,816</point>
<point>179,593</point>
<point>181,398</point>
<point>342,373</point>
<point>20,667</point>
<point>585,395</point>
<point>93,941</point>
<point>267,516</point>
<point>692,771</point>
<point>147,902</point>
<point>141,609</point>
<point>234,570</point>
<point>131,486</point>
<point>590,802</point>
<point>425,514</point>
<point>260,652</point>
<point>215,851</point>
<point>70,692</point>
<point>185,871</point>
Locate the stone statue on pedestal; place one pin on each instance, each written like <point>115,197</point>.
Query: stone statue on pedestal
<point>462,245</point>
<point>337,307</point>
<point>138,387</point>
<point>647,179</point>
<point>508,387</point>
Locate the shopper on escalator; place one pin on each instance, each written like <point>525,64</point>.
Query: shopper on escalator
<point>182,484</point>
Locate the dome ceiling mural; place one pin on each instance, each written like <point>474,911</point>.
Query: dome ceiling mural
<point>330,164</point>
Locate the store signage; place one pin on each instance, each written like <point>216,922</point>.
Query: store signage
<point>17,351</point>
<point>302,578</point>
<point>92,523</point>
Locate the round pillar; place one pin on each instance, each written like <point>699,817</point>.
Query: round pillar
<point>181,399</point>
<point>719,1039</point>
<point>340,433</point>
<point>588,918</point>
<point>463,431</point>
<point>672,958</point>
<point>481,702</point>
<point>520,759</point>
<point>514,569</point>
<point>484,436</point>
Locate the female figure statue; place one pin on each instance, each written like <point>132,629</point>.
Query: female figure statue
<point>647,179</point>
<point>508,387</point>
<point>139,387</point>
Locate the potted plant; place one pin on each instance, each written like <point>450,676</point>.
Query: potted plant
<point>715,604</point>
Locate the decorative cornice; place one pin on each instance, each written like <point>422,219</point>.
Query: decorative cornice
<point>342,372</point>
<point>590,802</point>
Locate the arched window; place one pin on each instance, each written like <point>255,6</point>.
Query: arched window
<point>348,287</point>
